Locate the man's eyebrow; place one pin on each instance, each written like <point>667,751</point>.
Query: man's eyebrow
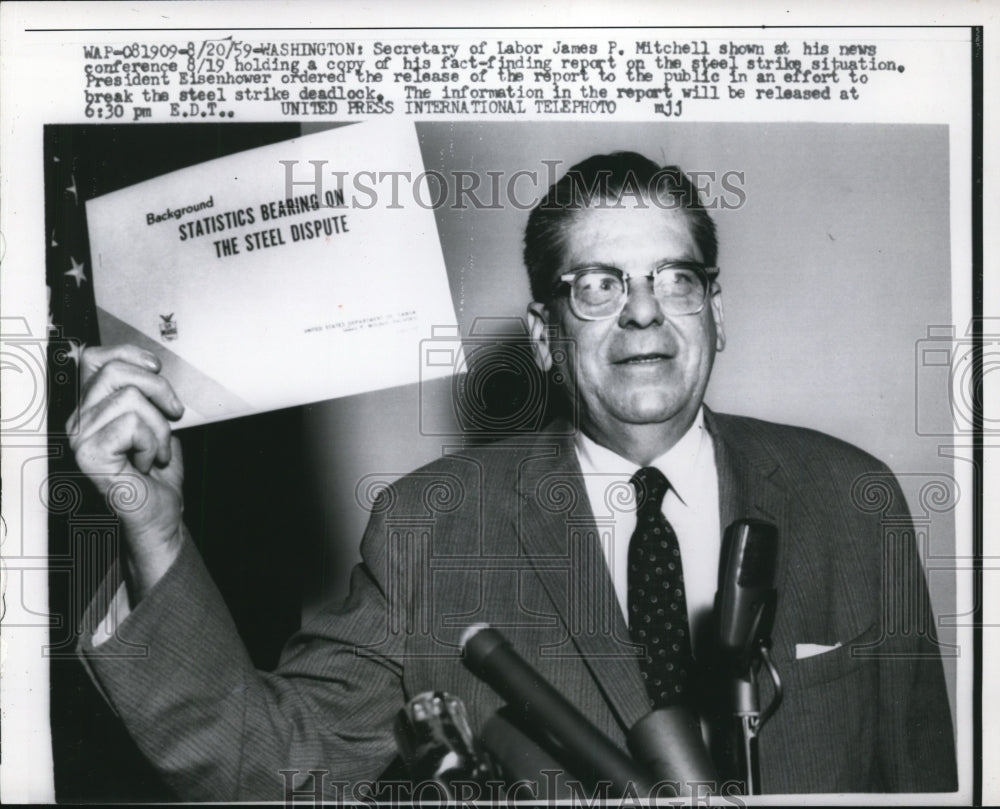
<point>691,260</point>
<point>602,265</point>
<point>594,265</point>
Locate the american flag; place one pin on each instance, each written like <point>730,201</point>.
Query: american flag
<point>72,323</point>
<point>78,558</point>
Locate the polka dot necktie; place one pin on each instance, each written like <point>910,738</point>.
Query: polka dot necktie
<point>656,605</point>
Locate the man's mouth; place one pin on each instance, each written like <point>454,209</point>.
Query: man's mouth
<point>643,359</point>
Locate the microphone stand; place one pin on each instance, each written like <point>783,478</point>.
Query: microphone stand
<point>748,718</point>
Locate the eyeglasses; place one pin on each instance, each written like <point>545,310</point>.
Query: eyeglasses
<point>597,293</point>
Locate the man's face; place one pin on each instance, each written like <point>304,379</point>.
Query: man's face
<point>640,367</point>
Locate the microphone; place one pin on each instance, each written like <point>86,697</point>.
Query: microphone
<point>746,597</point>
<point>435,740</point>
<point>744,612</point>
<point>589,754</point>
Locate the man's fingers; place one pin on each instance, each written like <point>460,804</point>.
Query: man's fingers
<point>145,447</point>
<point>104,370</point>
<point>116,374</point>
<point>96,357</point>
<point>108,450</point>
<point>125,401</point>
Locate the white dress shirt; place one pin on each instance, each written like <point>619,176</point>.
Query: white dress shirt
<point>691,506</point>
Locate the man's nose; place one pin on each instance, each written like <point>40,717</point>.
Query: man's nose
<point>641,307</point>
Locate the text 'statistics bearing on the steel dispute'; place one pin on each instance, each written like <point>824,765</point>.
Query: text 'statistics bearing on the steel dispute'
<point>244,78</point>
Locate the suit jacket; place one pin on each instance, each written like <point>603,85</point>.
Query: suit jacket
<point>505,534</point>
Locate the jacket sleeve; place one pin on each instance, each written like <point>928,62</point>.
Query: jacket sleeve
<point>216,729</point>
<point>917,739</point>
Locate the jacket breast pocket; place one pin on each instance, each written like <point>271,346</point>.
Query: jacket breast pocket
<point>835,664</point>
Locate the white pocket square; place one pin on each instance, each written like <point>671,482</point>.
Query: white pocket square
<point>804,650</point>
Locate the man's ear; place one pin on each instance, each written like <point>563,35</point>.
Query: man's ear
<point>540,331</point>
<point>718,317</point>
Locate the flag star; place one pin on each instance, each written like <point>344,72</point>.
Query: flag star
<point>75,350</point>
<point>52,327</point>
<point>55,159</point>
<point>54,242</point>
<point>76,272</point>
<point>72,189</point>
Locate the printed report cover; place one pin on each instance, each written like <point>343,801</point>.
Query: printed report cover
<point>278,276</point>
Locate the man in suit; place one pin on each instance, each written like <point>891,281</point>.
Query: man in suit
<point>557,539</point>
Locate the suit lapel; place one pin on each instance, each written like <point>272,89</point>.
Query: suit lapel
<point>748,486</point>
<point>560,537</point>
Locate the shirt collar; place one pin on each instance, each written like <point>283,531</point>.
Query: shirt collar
<point>677,463</point>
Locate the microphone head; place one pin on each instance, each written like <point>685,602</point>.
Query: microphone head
<point>478,641</point>
<point>470,632</point>
<point>749,554</point>
<point>745,600</point>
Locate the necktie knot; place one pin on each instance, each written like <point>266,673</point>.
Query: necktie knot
<point>650,488</point>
